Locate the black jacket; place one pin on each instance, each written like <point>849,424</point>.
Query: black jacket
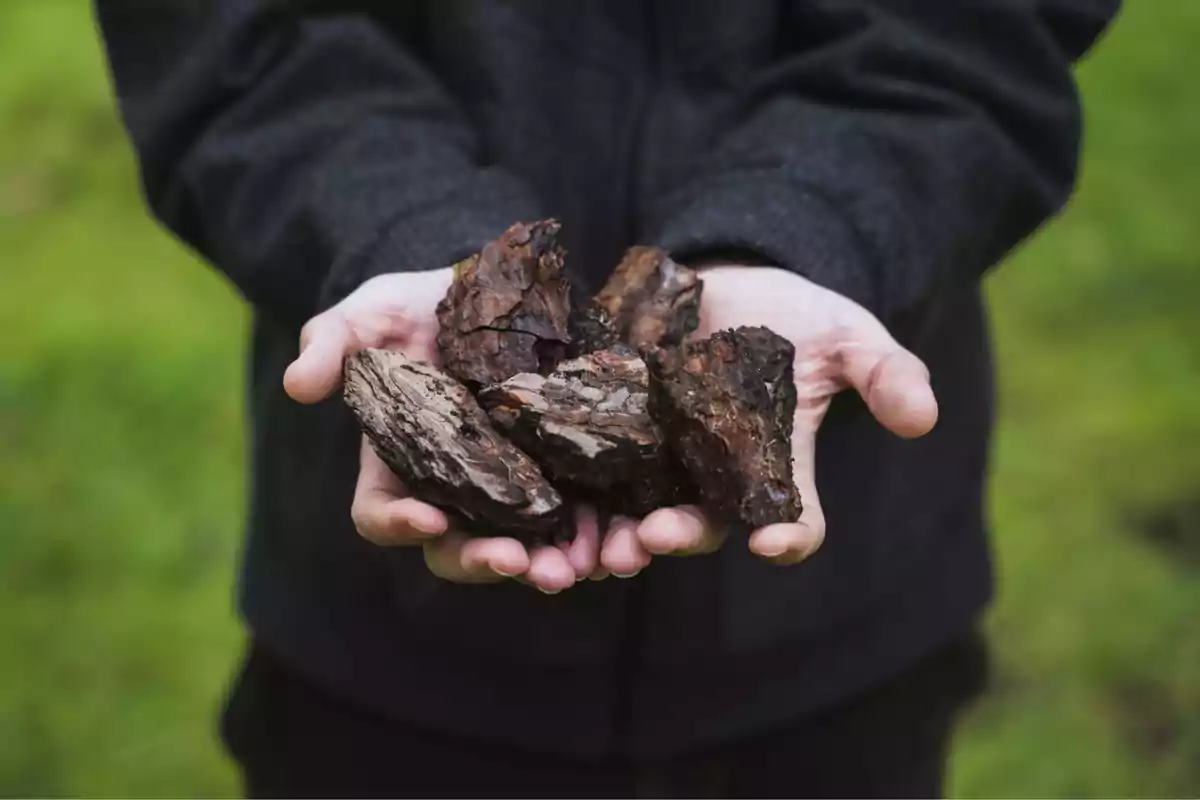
<point>891,150</point>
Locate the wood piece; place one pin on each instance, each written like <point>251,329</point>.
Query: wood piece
<point>588,426</point>
<point>650,300</point>
<point>507,311</point>
<point>591,330</point>
<point>727,405</point>
<point>432,433</point>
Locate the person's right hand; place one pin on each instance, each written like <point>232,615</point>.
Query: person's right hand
<point>398,311</point>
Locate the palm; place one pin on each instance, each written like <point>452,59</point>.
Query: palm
<point>816,321</point>
<point>395,311</point>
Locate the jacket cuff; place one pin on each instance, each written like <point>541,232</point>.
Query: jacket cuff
<point>434,237</point>
<point>783,222</point>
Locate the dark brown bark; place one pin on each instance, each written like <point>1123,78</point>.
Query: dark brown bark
<point>508,308</point>
<point>650,299</point>
<point>727,406</point>
<point>591,330</point>
<point>432,433</point>
<point>588,426</point>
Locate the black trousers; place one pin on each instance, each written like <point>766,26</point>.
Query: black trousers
<point>292,739</point>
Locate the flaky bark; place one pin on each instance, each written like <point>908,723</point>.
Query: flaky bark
<point>650,299</point>
<point>433,435</point>
<point>591,330</point>
<point>507,311</point>
<point>588,426</point>
<point>727,405</point>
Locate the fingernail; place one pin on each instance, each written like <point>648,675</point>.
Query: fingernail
<point>772,553</point>
<point>625,575</point>
<point>504,573</point>
<point>549,591</point>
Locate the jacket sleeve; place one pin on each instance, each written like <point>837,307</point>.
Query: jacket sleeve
<point>299,152</point>
<point>893,145</point>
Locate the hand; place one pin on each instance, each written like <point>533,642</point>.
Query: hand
<point>398,311</point>
<point>839,344</point>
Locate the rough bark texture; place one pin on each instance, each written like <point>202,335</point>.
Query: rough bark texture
<point>432,433</point>
<point>588,426</point>
<point>708,421</point>
<point>727,405</point>
<point>648,301</point>
<point>507,311</point>
<point>591,330</point>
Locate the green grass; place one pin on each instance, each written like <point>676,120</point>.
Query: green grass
<point>1098,625</point>
<point>121,465</point>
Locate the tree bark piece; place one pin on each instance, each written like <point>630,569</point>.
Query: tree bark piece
<point>432,433</point>
<point>650,300</point>
<point>727,405</point>
<point>588,426</point>
<point>507,311</point>
<point>591,330</point>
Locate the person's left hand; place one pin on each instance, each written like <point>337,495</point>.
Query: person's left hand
<point>839,345</point>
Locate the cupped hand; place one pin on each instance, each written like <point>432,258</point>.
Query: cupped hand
<point>398,311</point>
<point>839,345</point>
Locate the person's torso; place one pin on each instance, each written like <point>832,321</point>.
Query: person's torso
<point>599,105</point>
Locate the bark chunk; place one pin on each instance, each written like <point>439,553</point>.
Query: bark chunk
<point>508,309</point>
<point>588,425</point>
<point>727,405</point>
<point>431,432</point>
<point>648,301</point>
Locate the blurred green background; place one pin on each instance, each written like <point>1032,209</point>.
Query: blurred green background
<point>121,457</point>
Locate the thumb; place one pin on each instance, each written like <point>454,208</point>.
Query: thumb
<point>317,371</point>
<point>895,385</point>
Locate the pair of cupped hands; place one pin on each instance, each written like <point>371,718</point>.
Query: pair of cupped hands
<point>839,345</point>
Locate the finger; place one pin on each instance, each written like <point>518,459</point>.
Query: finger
<point>895,385</point>
<point>389,521</point>
<point>383,512</point>
<point>787,543</point>
<point>676,531</point>
<point>317,371</point>
<point>583,552</point>
<point>710,542</point>
<point>901,396</point>
<point>622,554</point>
<point>793,541</point>
<point>373,473</point>
<point>421,345</point>
<point>550,570</point>
<point>461,559</point>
